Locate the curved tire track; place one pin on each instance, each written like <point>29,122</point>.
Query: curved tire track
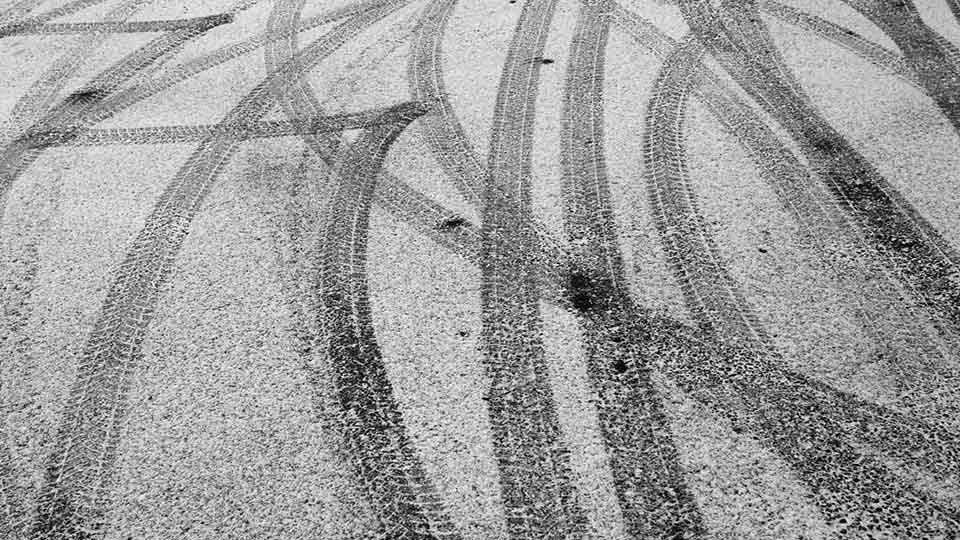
<point>876,54</point>
<point>79,474</point>
<point>648,480</point>
<point>441,129</point>
<point>910,247</point>
<point>535,479</point>
<point>742,20</point>
<point>710,291</point>
<point>895,323</point>
<point>392,477</point>
<point>818,432</point>
<point>769,402</point>
<point>385,461</point>
<point>909,345</point>
<point>81,106</point>
<point>935,60</point>
<point>447,141</point>
<point>15,157</point>
<point>400,199</point>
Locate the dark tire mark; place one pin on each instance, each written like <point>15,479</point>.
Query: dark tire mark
<point>535,479</point>
<point>917,359</point>
<point>742,21</point>
<point>384,458</point>
<point>710,292</point>
<point>814,429</point>
<point>649,483</point>
<point>877,55</point>
<point>896,324</point>
<point>935,60</point>
<point>910,247</point>
<point>442,130</point>
<point>452,223</point>
<point>80,469</point>
<point>793,416</point>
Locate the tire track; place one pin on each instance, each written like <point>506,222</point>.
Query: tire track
<point>742,21</point>
<point>710,292</point>
<point>391,475</point>
<point>81,106</point>
<point>110,27</point>
<point>816,430</point>
<point>896,324</point>
<point>79,473</point>
<point>908,348</point>
<point>934,59</point>
<point>926,446</point>
<point>799,419</point>
<point>648,480</point>
<point>877,55</point>
<point>441,129</point>
<point>910,246</point>
<point>79,136</point>
<point>17,10</point>
<point>912,352</point>
<point>892,320</point>
<point>126,98</point>
<point>300,100</point>
<point>62,11</point>
<point>445,136</point>
<point>400,199</point>
<point>40,94</point>
<point>37,102</point>
<point>382,454</point>
<point>535,479</point>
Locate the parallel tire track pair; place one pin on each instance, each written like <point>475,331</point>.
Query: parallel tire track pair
<point>535,478</point>
<point>648,480</point>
